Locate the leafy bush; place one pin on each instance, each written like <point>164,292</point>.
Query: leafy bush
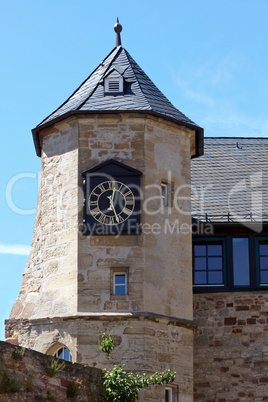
<point>18,354</point>
<point>107,344</point>
<point>8,385</point>
<point>55,367</point>
<point>73,389</point>
<point>125,386</point>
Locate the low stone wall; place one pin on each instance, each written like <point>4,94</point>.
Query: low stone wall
<point>231,347</point>
<point>27,379</point>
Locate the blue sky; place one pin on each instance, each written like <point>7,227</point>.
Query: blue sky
<point>208,57</point>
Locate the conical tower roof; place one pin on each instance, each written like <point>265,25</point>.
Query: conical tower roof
<point>139,95</point>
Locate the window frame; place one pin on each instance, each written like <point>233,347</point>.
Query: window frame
<point>228,232</point>
<point>170,394</point>
<point>258,239</point>
<point>165,197</point>
<point>206,242</point>
<point>119,271</point>
<point>56,353</point>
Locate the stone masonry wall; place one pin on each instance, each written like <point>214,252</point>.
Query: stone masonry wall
<point>27,379</point>
<point>162,152</point>
<point>231,347</point>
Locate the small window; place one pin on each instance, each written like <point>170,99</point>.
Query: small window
<point>168,395</point>
<point>63,353</point>
<point>164,194</point>
<point>208,260</point>
<point>113,86</point>
<point>120,283</point>
<point>262,262</point>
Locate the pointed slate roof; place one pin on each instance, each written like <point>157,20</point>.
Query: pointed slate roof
<point>140,95</point>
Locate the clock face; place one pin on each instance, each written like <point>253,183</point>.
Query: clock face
<point>111,203</point>
<point>112,198</point>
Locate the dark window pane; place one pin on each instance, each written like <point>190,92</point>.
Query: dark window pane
<point>264,277</point>
<point>263,262</point>
<point>263,249</point>
<point>215,278</point>
<point>241,262</point>
<point>120,279</point>
<point>200,278</point>
<point>214,249</point>
<point>215,263</point>
<point>200,263</point>
<point>200,250</point>
<point>60,353</point>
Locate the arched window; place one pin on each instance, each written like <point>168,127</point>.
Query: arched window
<point>63,353</point>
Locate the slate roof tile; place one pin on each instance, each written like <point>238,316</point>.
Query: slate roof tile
<point>140,92</point>
<point>232,179</point>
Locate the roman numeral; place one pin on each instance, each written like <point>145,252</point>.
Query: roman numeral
<point>95,211</point>
<point>120,219</point>
<point>101,187</point>
<point>111,185</point>
<point>102,218</point>
<point>128,193</point>
<point>111,220</point>
<point>127,211</point>
<point>93,202</point>
<point>129,202</point>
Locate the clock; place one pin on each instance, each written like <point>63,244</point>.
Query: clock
<point>111,199</point>
<point>111,203</point>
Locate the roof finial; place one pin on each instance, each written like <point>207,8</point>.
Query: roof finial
<point>118,28</point>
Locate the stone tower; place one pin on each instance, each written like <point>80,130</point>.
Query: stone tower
<point>111,247</point>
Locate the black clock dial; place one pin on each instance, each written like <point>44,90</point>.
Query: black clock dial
<point>111,203</point>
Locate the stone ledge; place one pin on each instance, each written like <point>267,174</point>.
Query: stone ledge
<point>169,320</point>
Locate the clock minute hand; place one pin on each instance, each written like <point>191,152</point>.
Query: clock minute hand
<point>115,214</point>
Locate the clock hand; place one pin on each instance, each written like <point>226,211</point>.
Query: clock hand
<point>111,199</point>
<point>115,214</point>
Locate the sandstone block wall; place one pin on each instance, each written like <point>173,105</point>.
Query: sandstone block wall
<point>231,347</point>
<point>158,260</point>
<point>27,379</point>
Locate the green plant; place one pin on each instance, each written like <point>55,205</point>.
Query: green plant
<point>107,344</point>
<point>73,389</point>
<point>125,386</point>
<point>30,381</point>
<point>8,385</point>
<point>50,397</point>
<point>18,354</point>
<point>55,367</point>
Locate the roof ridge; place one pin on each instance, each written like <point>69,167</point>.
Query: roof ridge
<point>77,89</point>
<point>119,49</point>
<point>137,81</point>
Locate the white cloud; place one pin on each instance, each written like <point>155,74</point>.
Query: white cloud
<point>17,249</point>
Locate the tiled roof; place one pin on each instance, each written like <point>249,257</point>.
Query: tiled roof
<point>230,181</point>
<point>140,94</point>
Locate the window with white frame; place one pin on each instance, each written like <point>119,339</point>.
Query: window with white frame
<point>63,353</point>
<point>120,283</point>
